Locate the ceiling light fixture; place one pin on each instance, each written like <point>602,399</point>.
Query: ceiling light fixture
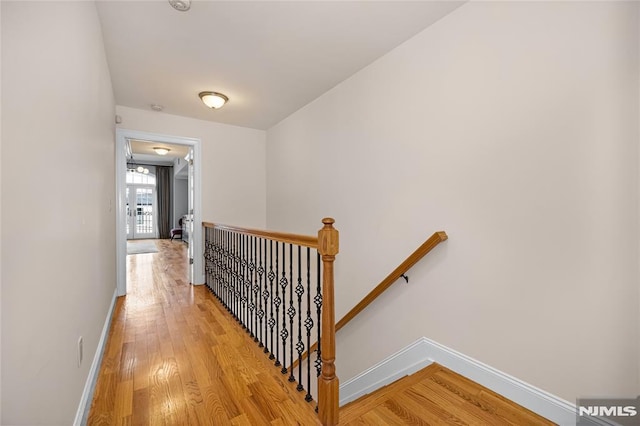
<point>161,151</point>
<point>180,5</point>
<point>213,99</point>
<point>157,107</point>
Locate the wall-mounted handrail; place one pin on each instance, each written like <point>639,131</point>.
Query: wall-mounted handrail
<point>413,258</point>
<point>420,252</point>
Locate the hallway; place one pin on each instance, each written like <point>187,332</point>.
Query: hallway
<point>175,357</point>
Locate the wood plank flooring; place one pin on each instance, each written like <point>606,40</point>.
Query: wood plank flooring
<point>175,357</point>
<point>436,396</point>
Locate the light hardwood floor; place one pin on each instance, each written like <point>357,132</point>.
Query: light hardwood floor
<point>175,357</point>
<point>437,396</point>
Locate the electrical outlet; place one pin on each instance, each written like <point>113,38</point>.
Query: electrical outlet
<point>80,350</point>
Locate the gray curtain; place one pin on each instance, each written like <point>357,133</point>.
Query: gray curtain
<point>163,188</point>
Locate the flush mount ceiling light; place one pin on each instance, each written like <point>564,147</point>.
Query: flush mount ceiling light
<point>157,107</point>
<point>161,151</point>
<point>213,99</point>
<point>180,5</point>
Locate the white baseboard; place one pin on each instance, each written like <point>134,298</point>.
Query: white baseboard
<point>404,362</point>
<point>425,351</point>
<point>89,386</point>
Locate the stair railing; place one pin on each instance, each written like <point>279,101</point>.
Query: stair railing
<point>283,295</point>
<point>394,276</point>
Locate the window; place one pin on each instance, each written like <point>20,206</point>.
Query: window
<point>140,178</point>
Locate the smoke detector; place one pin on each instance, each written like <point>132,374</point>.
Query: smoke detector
<point>181,5</point>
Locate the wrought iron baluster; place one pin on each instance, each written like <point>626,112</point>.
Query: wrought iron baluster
<point>214,263</point>
<point>276,302</point>
<point>214,272</point>
<point>272,276</point>
<point>238,284</point>
<point>243,270</point>
<point>299,344</point>
<point>265,297</point>
<point>225,268</point>
<point>308,324</point>
<point>292,313</point>
<point>256,298</point>
<point>318,302</point>
<point>206,257</point>
<point>229,274</point>
<point>284,333</point>
<point>247,282</point>
<point>221,267</point>
<point>259,295</point>
<point>234,274</point>
<point>252,269</point>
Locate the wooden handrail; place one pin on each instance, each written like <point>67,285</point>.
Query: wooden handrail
<point>420,252</point>
<point>301,240</point>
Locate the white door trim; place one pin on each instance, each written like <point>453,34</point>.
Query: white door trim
<point>121,231</point>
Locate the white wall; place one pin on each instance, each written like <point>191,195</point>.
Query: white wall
<point>180,199</point>
<point>58,221</point>
<point>513,127</point>
<point>233,164</point>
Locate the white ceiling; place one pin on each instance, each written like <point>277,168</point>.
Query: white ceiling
<point>146,147</point>
<point>269,58</point>
<point>143,152</point>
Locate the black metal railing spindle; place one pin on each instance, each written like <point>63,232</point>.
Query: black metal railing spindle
<point>291,312</point>
<point>234,275</point>
<point>241,278</point>
<point>276,303</point>
<point>247,281</point>
<point>318,302</point>
<point>272,275</point>
<point>265,297</point>
<point>238,281</point>
<point>284,333</point>
<point>259,293</point>
<point>255,288</point>
<point>299,344</point>
<point>308,324</point>
<point>252,269</point>
<point>228,273</point>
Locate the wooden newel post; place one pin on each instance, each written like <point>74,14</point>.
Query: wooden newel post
<point>328,385</point>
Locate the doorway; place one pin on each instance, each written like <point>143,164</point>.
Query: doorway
<point>128,207</point>
<point>141,210</point>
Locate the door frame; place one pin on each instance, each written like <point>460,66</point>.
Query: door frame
<point>122,135</point>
